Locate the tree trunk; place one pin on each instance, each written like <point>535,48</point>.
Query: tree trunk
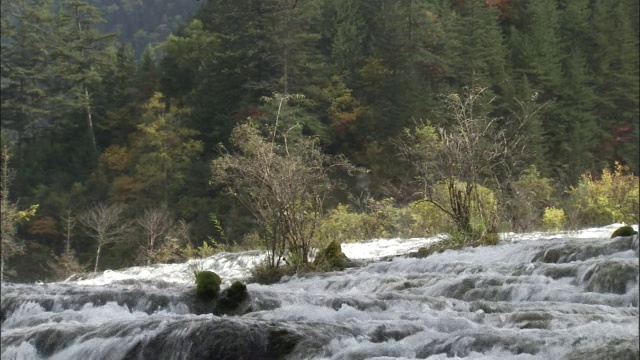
<point>95,269</point>
<point>87,108</point>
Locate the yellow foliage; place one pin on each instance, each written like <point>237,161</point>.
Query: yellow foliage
<point>429,219</point>
<point>553,219</point>
<point>373,70</point>
<point>26,215</point>
<point>116,158</point>
<point>611,199</point>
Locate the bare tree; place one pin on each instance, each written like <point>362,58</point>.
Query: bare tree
<point>67,264</point>
<point>103,223</point>
<point>282,183</point>
<point>463,156</point>
<point>156,224</point>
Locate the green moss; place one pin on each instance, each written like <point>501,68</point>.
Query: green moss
<point>624,231</point>
<point>232,297</point>
<point>331,257</point>
<point>207,285</point>
<point>452,243</point>
<point>489,239</point>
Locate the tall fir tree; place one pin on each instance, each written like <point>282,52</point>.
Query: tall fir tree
<point>80,49</point>
<point>614,61</point>
<point>25,67</point>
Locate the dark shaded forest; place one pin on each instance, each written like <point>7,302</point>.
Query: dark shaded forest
<point>130,102</point>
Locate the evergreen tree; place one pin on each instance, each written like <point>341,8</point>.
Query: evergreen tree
<point>614,60</point>
<point>80,50</point>
<point>478,52</point>
<point>117,101</point>
<point>165,148</point>
<point>26,47</point>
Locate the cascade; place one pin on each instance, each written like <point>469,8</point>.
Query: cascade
<point>569,295</point>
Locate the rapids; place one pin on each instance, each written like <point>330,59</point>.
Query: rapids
<point>570,295</point>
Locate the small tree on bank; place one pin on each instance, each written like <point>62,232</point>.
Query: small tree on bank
<point>67,263</point>
<point>463,156</point>
<point>156,224</point>
<point>104,223</point>
<point>283,180</point>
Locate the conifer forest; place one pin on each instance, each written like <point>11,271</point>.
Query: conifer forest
<point>138,132</point>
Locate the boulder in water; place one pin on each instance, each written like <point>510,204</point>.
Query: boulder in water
<point>207,285</point>
<point>332,256</point>
<point>233,300</point>
<point>624,231</point>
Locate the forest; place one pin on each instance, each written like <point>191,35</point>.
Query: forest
<point>288,124</point>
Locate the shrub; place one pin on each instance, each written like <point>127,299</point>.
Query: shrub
<point>203,251</point>
<point>207,285</point>
<point>341,224</point>
<point>531,194</point>
<point>553,219</point>
<point>489,239</point>
<point>428,219</point>
<point>623,231</point>
<point>611,199</point>
<point>264,273</point>
<point>382,219</point>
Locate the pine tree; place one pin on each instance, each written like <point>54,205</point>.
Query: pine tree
<point>478,52</point>
<point>117,101</point>
<point>614,62</point>
<point>164,148</point>
<point>26,46</point>
<point>80,50</point>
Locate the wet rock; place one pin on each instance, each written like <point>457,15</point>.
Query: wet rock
<point>234,300</point>
<point>577,251</point>
<point>386,332</point>
<point>624,231</point>
<point>615,350</point>
<point>531,320</point>
<point>207,285</point>
<point>612,277</point>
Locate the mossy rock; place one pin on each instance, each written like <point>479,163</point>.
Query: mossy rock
<point>489,239</point>
<point>425,251</point>
<point>232,298</point>
<point>207,285</point>
<point>332,256</point>
<point>624,231</point>
<point>438,247</point>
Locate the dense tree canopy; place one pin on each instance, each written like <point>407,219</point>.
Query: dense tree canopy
<point>128,102</point>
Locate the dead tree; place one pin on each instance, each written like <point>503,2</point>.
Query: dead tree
<point>104,223</point>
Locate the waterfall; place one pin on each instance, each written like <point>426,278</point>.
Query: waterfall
<point>568,295</point>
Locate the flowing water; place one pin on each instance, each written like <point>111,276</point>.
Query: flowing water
<point>533,296</point>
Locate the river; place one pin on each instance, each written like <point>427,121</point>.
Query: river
<point>567,295</point>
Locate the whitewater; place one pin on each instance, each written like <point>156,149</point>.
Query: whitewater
<point>562,295</point>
